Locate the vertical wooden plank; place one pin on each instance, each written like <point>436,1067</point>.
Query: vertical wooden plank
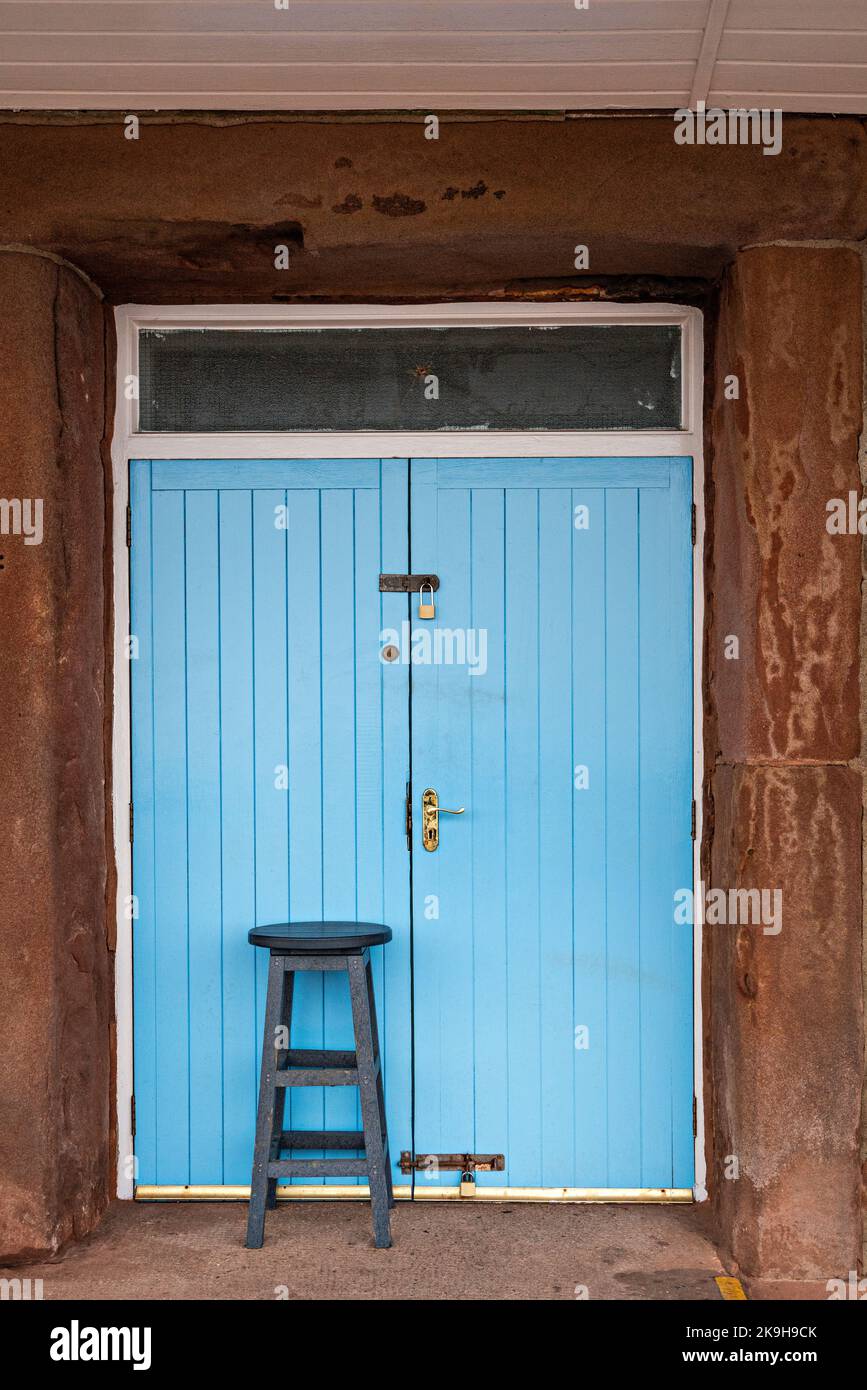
<point>588,837</point>
<point>623,1040</point>
<point>657,831</point>
<point>486,807</point>
<point>271,750</point>
<point>143,789</point>
<point>369,733</point>
<point>391,964</point>
<point>269,683</point>
<point>305,1109</point>
<point>238,823</point>
<point>170,837</point>
<point>522,835</point>
<point>339,830</point>
<point>681,717</point>
<point>428,880</point>
<point>448,952</point>
<point>555,833</point>
<point>205,867</point>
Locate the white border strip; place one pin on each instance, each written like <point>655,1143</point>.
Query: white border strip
<point>121,774</point>
<point>128,443</point>
<point>693,372</point>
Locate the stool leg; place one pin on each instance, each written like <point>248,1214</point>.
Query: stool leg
<point>288,995</point>
<point>265,1115</point>
<point>370,1111</point>
<point>380,1094</point>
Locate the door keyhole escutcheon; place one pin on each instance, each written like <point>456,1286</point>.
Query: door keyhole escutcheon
<point>430,818</point>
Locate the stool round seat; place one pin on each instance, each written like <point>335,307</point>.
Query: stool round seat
<point>318,938</point>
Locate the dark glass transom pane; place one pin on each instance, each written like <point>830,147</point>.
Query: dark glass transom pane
<point>586,377</point>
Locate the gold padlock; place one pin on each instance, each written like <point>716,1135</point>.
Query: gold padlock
<point>425,610</point>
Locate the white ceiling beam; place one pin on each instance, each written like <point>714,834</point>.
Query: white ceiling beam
<point>706,61</point>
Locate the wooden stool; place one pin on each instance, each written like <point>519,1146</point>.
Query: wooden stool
<point>320,946</point>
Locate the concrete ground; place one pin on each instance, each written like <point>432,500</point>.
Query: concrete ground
<point>318,1250</point>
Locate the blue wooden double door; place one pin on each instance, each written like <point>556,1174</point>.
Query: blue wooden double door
<point>536,999</point>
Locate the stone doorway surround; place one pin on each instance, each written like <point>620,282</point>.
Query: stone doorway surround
<point>771,251</point>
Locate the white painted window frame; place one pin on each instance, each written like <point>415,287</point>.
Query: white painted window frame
<point>128,443</point>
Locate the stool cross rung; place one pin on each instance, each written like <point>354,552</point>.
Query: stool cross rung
<point>318,1057</point>
<point>317,1076</point>
<point>319,1168</point>
<point>334,1075</point>
<point>322,1139</point>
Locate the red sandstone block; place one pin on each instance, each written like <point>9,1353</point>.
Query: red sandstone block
<point>786,1021</point>
<point>790,331</point>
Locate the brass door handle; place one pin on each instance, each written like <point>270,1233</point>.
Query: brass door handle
<point>430,822</point>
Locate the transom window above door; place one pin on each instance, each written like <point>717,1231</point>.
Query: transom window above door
<point>593,376</point>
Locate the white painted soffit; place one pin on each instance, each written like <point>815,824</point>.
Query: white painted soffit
<point>339,55</point>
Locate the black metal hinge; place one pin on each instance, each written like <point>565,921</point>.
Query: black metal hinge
<point>694,524</point>
<point>128,526</point>
<point>408,816</point>
<point>692,831</point>
<point>132,1115</point>
<point>131,823</point>
<point>694,1116</point>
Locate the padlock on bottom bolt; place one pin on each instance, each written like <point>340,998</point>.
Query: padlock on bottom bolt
<point>468,1184</point>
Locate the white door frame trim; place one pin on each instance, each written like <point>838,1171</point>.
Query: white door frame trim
<point>128,443</point>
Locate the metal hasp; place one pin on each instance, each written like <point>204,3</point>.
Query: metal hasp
<point>407,583</point>
<point>430,818</point>
<point>454,1163</point>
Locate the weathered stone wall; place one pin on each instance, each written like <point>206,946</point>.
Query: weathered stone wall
<point>193,209</point>
<point>783,731</point>
<point>57,986</point>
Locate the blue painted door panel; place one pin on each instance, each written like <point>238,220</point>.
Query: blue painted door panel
<point>264,785</point>
<point>271,745</point>
<point>552,987</point>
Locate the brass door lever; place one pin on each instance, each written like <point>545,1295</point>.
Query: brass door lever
<point>430,818</point>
